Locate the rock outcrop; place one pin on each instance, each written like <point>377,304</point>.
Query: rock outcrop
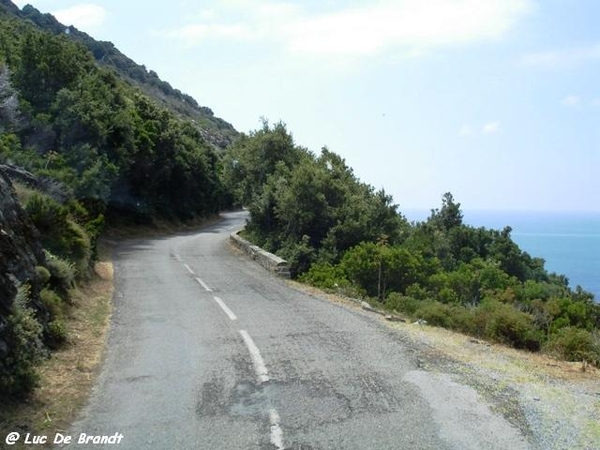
<point>20,253</point>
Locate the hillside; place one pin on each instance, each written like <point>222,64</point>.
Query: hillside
<point>214,130</point>
<point>84,143</point>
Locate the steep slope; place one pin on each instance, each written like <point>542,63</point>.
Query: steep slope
<point>20,256</point>
<point>80,123</point>
<point>214,130</point>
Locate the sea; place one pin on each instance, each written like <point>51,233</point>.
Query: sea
<point>569,242</point>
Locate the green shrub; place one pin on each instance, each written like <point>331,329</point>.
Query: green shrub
<point>325,276</point>
<point>575,344</point>
<point>417,292</point>
<point>48,215</point>
<point>62,275</point>
<point>57,333</point>
<point>22,335</point>
<point>438,314</point>
<point>299,255</point>
<point>80,248</point>
<point>60,234</point>
<point>402,303</point>
<point>52,301</point>
<point>43,275</point>
<point>503,323</point>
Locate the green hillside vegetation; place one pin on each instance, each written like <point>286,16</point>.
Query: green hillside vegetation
<point>342,235</point>
<point>214,130</point>
<point>85,148</point>
<point>109,145</point>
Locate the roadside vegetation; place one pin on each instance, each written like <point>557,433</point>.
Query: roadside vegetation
<point>342,235</point>
<point>84,148</point>
<point>101,141</point>
<point>64,378</point>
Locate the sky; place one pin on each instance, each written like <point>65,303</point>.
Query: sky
<point>495,101</point>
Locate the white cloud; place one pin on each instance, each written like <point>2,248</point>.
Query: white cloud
<point>200,32</point>
<point>571,100</point>
<point>491,127</point>
<point>83,16</point>
<point>412,26</point>
<point>465,130</point>
<point>563,58</point>
<point>409,24</point>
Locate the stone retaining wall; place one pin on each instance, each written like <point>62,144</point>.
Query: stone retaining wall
<point>268,260</point>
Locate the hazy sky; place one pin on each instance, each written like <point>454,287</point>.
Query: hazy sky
<point>497,101</point>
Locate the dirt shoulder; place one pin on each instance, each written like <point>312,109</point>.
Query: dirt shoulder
<point>555,404</point>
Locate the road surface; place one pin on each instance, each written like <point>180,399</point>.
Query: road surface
<point>208,350</point>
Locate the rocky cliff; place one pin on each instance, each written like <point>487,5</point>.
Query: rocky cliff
<point>20,253</point>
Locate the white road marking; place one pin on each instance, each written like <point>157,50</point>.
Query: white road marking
<point>203,284</point>
<point>177,257</point>
<point>189,269</point>
<point>276,433</point>
<point>259,363</point>
<point>225,308</point>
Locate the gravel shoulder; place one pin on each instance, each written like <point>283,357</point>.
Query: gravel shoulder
<point>554,404</point>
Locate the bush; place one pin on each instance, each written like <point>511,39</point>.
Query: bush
<point>52,301</point>
<point>503,323</point>
<point>80,248</point>
<point>299,255</point>
<point>575,344</point>
<point>60,234</point>
<point>43,275</point>
<point>57,333</point>
<point>324,276</point>
<point>402,303</point>
<point>62,275</point>
<point>438,314</point>
<point>24,349</point>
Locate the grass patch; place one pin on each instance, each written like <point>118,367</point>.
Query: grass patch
<point>67,377</point>
<point>24,192</point>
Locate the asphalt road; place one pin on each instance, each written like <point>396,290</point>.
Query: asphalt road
<point>207,350</point>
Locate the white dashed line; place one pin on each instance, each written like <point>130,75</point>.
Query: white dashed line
<point>225,308</point>
<point>259,363</point>
<point>276,433</point>
<point>189,269</point>
<point>203,284</point>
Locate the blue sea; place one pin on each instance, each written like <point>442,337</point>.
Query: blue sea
<point>568,242</point>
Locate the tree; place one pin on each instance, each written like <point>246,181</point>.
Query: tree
<point>449,216</point>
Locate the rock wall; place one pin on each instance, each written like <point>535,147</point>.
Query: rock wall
<point>20,253</point>
<point>268,260</point>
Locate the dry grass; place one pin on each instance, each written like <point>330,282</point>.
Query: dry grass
<point>496,356</point>
<point>67,377</point>
<point>24,192</point>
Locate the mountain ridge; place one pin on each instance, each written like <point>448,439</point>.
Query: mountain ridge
<point>216,131</point>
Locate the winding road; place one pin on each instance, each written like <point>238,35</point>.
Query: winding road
<point>207,350</point>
